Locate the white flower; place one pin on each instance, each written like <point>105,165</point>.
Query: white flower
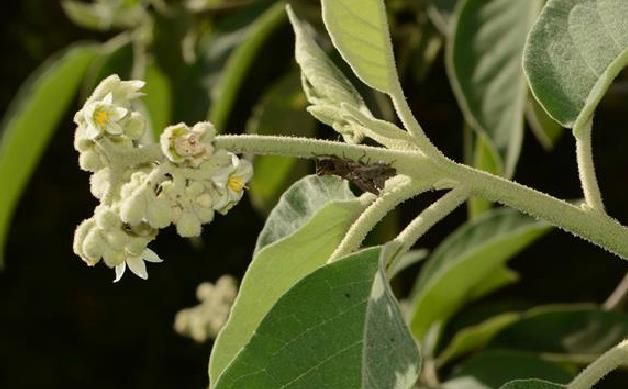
<point>231,182</point>
<point>103,116</point>
<point>136,264</point>
<point>181,144</point>
<point>122,92</point>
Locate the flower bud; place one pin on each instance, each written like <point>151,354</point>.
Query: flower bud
<point>133,209</point>
<point>93,247</point>
<point>99,183</point>
<point>117,239</point>
<point>159,213</point>
<point>188,226</point>
<point>106,218</point>
<point>90,161</point>
<point>113,257</point>
<point>135,126</point>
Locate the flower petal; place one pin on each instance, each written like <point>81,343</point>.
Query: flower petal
<point>136,265</point>
<point>120,268</point>
<point>150,256</point>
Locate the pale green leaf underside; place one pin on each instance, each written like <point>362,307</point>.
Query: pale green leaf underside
<point>484,61</point>
<point>30,121</point>
<point>469,263</point>
<point>573,52</point>
<point>300,234</point>
<point>339,327</point>
<point>359,30</point>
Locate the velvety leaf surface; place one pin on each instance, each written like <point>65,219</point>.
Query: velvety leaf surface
<point>305,227</point>
<point>339,327</point>
<point>359,30</point>
<point>573,52</point>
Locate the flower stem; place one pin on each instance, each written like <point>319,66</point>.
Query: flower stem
<point>619,297</point>
<point>608,362</point>
<point>403,189</point>
<point>586,168</point>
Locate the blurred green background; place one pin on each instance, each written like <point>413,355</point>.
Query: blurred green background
<point>63,324</point>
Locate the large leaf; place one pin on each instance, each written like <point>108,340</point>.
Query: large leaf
<point>494,368</point>
<point>282,108</point>
<point>573,52</point>
<point>240,61</point>
<point>31,119</point>
<point>305,227</point>
<point>563,329</point>
<point>531,384</point>
<point>339,327</point>
<point>359,30</point>
<point>484,63</point>
<point>469,263</point>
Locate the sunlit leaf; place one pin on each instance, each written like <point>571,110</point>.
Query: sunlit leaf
<point>573,53</point>
<point>301,232</point>
<point>339,327</point>
<point>359,30</point>
<point>31,120</point>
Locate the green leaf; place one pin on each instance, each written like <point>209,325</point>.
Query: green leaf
<point>565,329</point>
<point>464,265</point>
<point>240,63</point>
<point>339,327</point>
<point>115,57</point>
<point>359,30</point>
<point>87,15</point>
<point>573,53</point>
<point>484,63</point>
<point>531,384</point>
<point>546,130</point>
<point>475,337</point>
<point>323,82</point>
<point>494,368</point>
<point>158,99</point>
<point>300,234</point>
<point>282,108</point>
<point>31,119</point>
<point>485,158</point>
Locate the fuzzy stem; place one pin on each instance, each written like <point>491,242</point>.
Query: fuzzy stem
<point>403,190</point>
<point>412,125</point>
<point>608,362</point>
<point>595,227</point>
<point>586,168</point>
<point>430,216</point>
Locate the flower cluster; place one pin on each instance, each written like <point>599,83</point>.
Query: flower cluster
<point>205,320</point>
<point>182,181</point>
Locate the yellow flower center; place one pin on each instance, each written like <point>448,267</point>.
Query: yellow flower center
<point>101,117</point>
<point>235,183</point>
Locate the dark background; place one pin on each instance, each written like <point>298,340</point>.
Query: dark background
<point>63,324</point>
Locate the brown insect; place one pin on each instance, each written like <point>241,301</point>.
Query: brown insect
<point>366,175</point>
